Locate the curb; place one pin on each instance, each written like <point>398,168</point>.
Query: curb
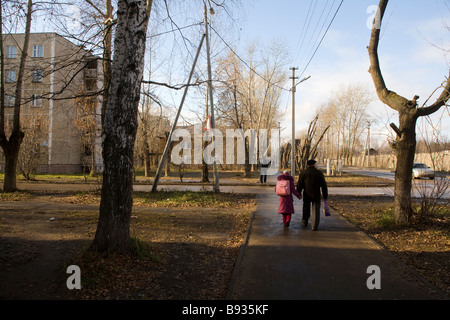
<point>231,285</point>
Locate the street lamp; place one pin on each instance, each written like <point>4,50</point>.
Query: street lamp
<point>294,85</point>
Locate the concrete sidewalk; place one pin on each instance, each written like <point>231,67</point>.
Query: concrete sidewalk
<point>331,263</point>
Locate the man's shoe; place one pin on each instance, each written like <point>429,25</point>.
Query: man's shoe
<point>304,223</point>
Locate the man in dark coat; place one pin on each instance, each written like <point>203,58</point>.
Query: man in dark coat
<point>311,181</point>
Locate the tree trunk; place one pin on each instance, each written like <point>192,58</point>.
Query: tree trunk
<point>405,148</point>
<point>147,166</point>
<point>11,151</point>
<point>247,166</point>
<point>120,127</point>
<point>107,50</point>
<point>409,112</point>
<point>11,147</point>
<point>146,154</point>
<point>205,171</point>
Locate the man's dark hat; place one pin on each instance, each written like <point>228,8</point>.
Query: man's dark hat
<point>311,162</point>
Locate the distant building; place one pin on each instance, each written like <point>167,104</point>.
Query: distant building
<point>59,76</point>
<point>371,152</point>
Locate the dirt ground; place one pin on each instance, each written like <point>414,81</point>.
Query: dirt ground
<point>187,252</point>
<point>192,250</point>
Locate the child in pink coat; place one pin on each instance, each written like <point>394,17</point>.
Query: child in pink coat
<point>286,204</point>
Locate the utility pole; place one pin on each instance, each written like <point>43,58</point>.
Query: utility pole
<point>205,173</point>
<point>211,101</point>
<point>368,144</point>
<point>294,86</point>
<point>279,145</point>
<point>293,121</point>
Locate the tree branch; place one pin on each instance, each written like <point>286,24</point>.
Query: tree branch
<point>177,87</point>
<point>386,96</point>
<point>396,129</point>
<point>96,8</point>
<point>441,101</point>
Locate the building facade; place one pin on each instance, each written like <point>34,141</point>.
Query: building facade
<point>60,103</point>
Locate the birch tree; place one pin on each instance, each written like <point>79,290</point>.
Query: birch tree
<point>120,127</point>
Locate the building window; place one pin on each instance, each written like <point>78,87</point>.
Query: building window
<point>10,76</point>
<point>90,84</point>
<point>38,51</point>
<point>37,76</point>
<point>11,52</point>
<point>36,101</point>
<point>92,64</point>
<point>10,100</point>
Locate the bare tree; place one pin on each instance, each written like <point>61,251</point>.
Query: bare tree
<point>11,145</point>
<point>433,148</point>
<point>346,115</point>
<point>409,112</point>
<point>307,147</point>
<point>353,102</point>
<point>120,126</point>
<point>250,91</point>
<point>85,125</point>
<point>230,99</point>
<point>35,129</point>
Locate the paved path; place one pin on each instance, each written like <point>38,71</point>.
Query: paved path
<point>331,263</point>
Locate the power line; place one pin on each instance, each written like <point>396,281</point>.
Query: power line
<point>323,24</point>
<point>307,24</point>
<point>308,44</point>
<point>244,62</point>
<point>321,40</point>
<point>304,32</point>
<point>175,30</point>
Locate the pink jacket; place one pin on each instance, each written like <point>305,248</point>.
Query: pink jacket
<point>286,204</point>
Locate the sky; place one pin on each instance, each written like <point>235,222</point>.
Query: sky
<point>411,61</point>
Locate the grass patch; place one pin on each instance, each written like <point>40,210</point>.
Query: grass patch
<point>386,218</point>
<point>15,196</point>
<point>142,250</point>
<point>351,180</point>
<point>192,199</point>
<point>59,178</point>
<point>178,199</point>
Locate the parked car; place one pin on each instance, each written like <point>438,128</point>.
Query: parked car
<point>420,170</point>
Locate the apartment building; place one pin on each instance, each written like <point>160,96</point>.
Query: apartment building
<point>59,98</point>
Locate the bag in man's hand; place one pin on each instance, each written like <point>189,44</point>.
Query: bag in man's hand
<point>326,208</point>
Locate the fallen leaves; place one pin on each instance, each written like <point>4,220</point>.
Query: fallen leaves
<point>195,251</point>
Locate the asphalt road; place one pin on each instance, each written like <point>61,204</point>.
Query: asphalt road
<point>379,173</point>
<point>438,188</point>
